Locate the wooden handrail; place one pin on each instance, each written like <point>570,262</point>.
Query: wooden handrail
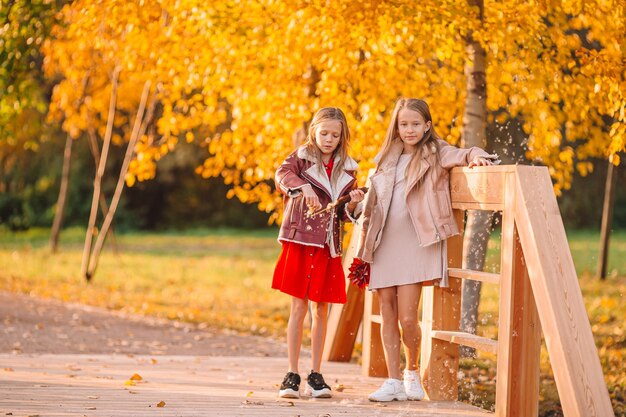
<point>481,276</point>
<point>538,290</point>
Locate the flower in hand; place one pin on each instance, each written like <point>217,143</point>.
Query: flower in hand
<point>359,273</point>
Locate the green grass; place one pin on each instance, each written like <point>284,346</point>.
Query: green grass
<point>585,248</point>
<point>201,276</point>
<point>222,277</point>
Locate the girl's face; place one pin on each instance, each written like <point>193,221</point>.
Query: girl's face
<point>412,127</point>
<point>327,137</point>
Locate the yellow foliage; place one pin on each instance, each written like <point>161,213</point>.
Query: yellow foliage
<point>243,78</point>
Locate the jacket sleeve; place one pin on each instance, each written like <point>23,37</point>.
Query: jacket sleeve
<point>364,220</point>
<point>451,156</point>
<point>287,177</point>
<point>345,214</point>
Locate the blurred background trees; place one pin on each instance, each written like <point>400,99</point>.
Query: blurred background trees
<point>234,85</point>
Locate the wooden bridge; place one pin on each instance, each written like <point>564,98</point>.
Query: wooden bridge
<point>538,290</point>
<point>96,386</point>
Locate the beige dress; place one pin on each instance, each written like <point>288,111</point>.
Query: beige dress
<point>398,259</point>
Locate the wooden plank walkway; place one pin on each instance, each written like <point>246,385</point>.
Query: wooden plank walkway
<point>95,385</point>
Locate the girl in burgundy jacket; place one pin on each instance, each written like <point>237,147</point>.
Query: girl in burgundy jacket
<point>309,267</point>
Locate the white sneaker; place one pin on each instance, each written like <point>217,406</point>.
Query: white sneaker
<point>391,389</point>
<point>412,385</point>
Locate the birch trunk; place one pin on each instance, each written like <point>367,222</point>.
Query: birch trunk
<point>607,220</point>
<point>478,222</point>
<point>99,174</point>
<point>130,150</point>
<point>95,152</point>
<point>60,206</point>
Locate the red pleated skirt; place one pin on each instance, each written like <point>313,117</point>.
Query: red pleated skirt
<point>310,272</point>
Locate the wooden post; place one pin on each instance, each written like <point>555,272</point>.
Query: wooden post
<point>569,340</point>
<point>607,220</point>
<point>343,326</point>
<point>441,310</point>
<point>519,333</point>
<point>373,352</point>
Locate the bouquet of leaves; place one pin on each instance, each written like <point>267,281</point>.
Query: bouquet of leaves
<point>359,273</point>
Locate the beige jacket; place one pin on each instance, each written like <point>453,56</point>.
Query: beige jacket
<point>427,196</point>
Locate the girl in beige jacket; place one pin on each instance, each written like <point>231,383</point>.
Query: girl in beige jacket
<point>406,220</point>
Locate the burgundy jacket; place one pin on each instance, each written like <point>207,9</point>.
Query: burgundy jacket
<point>300,168</point>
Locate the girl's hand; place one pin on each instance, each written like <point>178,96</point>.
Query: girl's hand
<point>310,198</point>
<point>356,196</point>
<point>480,161</point>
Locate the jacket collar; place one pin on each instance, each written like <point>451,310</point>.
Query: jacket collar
<point>387,168</point>
<point>303,153</point>
<point>318,174</point>
<point>396,150</point>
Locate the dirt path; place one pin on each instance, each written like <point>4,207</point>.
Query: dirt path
<point>36,325</point>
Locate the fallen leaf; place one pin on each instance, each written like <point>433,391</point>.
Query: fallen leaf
<point>131,383</point>
<point>339,388</point>
<point>8,369</point>
<point>91,408</point>
<point>161,404</point>
<point>248,402</point>
<point>153,361</point>
<point>250,394</point>
<point>286,403</point>
<point>136,377</point>
<point>92,397</point>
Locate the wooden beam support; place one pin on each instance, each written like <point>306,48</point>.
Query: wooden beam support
<point>567,332</point>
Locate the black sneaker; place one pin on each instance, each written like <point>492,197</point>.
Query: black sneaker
<point>316,387</point>
<point>290,388</point>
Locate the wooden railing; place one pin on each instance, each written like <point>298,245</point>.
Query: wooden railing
<point>538,290</point>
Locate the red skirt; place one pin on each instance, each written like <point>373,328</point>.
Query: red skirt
<point>310,272</point>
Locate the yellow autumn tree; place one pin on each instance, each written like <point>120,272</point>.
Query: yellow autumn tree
<point>242,77</point>
<point>290,59</point>
<point>109,54</point>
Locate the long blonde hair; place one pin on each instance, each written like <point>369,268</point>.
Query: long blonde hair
<point>393,134</point>
<point>323,115</point>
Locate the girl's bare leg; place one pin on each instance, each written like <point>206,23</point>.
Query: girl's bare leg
<point>318,333</point>
<point>294,331</point>
<point>408,301</point>
<point>390,333</point>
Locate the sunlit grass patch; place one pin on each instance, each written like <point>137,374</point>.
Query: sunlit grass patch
<point>219,277</point>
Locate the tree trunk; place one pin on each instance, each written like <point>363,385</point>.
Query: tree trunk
<point>607,220</point>
<point>95,152</point>
<point>60,207</point>
<point>99,174</point>
<point>478,222</point>
<point>138,130</point>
